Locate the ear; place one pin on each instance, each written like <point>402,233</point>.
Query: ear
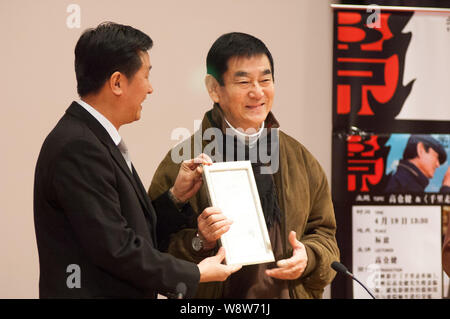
<point>420,149</point>
<point>212,86</point>
<point>116,83</point>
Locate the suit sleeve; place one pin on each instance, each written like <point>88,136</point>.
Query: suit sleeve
<point>170,219</point>
<point>84,182</point>
<point>179,244</point>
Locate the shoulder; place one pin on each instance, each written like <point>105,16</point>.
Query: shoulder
<point>299,164</point>
<point>292,144</point>
<point>294,149</point>
<point>70,130</point>
<point>71,138</point>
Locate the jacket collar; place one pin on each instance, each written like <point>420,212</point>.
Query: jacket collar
<point>106,123</point>
<point>412,169</point>
<point>102,134</point>
<point>79,112</point>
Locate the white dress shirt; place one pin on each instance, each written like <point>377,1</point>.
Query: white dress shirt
<point>109,127</point>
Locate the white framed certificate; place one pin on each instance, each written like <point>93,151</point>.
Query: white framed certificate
<point>232,188</point>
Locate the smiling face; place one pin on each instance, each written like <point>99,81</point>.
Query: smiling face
<point>248,91</point>
<point>136,90</point>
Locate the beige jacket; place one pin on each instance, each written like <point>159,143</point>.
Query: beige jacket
<point>304,197</point>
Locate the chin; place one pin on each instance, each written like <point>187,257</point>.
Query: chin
<point>430,176</point>
<point>252,124</point>
<point>257,120</point>
<point>138,115</point>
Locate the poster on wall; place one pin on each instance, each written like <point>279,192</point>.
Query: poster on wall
<point>394,197</point>
<point>391,149</point>
<point>390,68</point>
<point>381,260</point>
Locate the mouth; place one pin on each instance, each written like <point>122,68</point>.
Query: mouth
<point>255,106</point>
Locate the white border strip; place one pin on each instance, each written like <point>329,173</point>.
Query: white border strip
<point>387,8</point>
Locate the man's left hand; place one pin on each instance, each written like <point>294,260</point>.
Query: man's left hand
<point>291,268</point>
<point>189,179</point>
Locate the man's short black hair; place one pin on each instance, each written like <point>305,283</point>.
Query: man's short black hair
<point>234,44</point>
<point>428,141</point>
<point>103,50</point>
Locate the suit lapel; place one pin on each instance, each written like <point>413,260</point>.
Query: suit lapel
<point>147,200</point>
<point>141,188</point>
<point>78,111</point>
<point>118,157</point>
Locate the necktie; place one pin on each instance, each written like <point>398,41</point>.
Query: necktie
<point>124,150</point>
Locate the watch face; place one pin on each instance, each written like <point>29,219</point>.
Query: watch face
<point>197,243</point>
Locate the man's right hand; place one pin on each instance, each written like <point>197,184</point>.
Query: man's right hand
<point>212,269</point>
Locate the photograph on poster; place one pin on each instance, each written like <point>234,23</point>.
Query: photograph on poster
<point>397,163</point>
<point>418,163</point>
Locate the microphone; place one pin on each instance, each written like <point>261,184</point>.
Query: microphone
<point>181,290</point>
<point>343,270</point>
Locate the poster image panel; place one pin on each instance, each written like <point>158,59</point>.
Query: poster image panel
<point>396,163</point>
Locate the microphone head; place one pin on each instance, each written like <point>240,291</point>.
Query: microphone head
<point>339,267</point>
<point>181,288</point>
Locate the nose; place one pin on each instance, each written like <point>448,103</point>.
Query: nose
<point>150,88</point>
<point>256,92</point>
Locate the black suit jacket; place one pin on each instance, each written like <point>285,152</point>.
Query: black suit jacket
<point>92,212</point>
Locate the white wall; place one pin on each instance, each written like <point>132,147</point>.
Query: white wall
<point>38,84</point>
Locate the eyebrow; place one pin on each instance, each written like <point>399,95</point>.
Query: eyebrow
<point>243,73</point>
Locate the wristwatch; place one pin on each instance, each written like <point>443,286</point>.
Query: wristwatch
<point>197,243</point>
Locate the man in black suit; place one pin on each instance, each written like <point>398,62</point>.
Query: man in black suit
<point>95,225</point>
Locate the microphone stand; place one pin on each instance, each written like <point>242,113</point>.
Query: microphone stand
<point>359,282</point>
<point>337,266</point>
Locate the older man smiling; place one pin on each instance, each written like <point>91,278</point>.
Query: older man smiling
<point>294,195</point>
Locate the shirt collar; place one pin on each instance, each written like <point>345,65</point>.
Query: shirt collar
<point>251,139</point>
<point>109,127</point>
